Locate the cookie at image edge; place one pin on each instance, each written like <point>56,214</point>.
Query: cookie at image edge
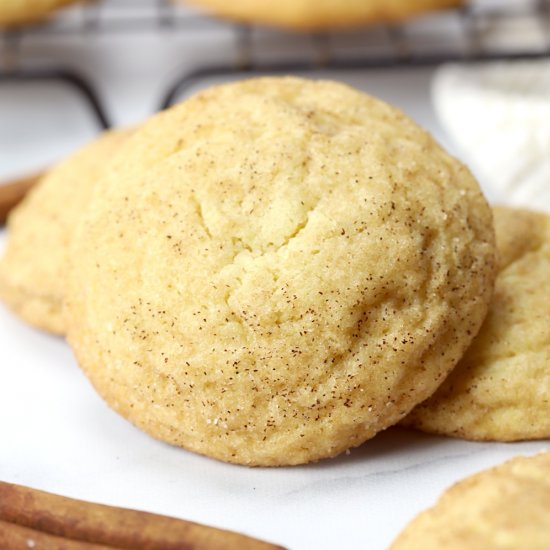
<point>320,14</point>
<point>277,269</point>
<point>40,228</point>
<point>503,507</point>
<point>19,12</point>
<point>500,390</point>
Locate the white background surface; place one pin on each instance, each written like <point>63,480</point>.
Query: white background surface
<point>56,433</point>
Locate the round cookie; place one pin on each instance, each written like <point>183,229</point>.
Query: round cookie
<point>500,390</point>
<point>18,12</point>
<point>321,14</point>
<point>32,270</point>
<point>502,508</point>
<point>277,269</point>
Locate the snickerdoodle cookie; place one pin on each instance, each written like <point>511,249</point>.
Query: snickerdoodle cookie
<point>500,390</point>
<point>276,270</point>
<point>321,14</point>
<point>32,270</point>
<point>18,12</point>
<point>502,508</point>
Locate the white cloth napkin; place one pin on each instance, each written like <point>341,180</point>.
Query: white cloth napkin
<point>499,116</point>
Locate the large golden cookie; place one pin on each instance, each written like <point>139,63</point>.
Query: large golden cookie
<point>500,390</point>
<point>504,508</point>
<point>321,14</point>
<point>277,269</point>
<point>17,12</point>
<point>32,271</point>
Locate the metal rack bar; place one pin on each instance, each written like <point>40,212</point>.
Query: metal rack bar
<point>164,15</point>
<point>191,78</point>
<point>68,77</point>
<point>13,71</point>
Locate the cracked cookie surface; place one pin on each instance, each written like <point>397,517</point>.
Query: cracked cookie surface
<point>500,390</point>
<point>32,270</point>
<point>277,269</point>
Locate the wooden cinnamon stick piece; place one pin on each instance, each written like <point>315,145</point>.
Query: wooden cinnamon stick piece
<point>115,527</point>
<point>12,193</point>
<point>15,537</point>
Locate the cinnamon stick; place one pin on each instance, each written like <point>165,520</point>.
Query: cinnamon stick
<point>12,193</point>
<point>97,524</point>
<point>15,537</point>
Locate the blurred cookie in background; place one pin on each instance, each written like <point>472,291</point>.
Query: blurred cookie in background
<point>320,14</point>
<point>21,12</point>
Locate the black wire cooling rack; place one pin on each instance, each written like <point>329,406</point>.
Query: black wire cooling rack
<point>476,28</point>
